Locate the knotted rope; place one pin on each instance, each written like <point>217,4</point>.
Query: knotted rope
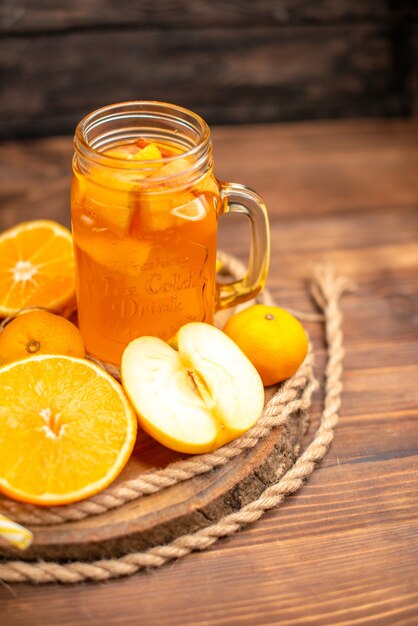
<point>326,290</point>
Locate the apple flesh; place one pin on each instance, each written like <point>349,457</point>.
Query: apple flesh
<point>196,394</point>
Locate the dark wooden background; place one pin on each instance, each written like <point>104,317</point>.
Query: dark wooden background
<point>232,61</point>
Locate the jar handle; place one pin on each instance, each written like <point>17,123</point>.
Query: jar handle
<point>240,199</point>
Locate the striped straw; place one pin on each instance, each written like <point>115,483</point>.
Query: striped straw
<point>15,534</point>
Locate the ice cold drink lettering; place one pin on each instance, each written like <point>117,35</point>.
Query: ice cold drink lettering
<point>156,284</point>
<point>145,260</point>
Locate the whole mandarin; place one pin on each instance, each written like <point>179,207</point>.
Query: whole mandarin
<point>274,341</point>
<point>39,332</point>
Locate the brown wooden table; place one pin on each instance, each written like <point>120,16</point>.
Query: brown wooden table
<point>344,550</point>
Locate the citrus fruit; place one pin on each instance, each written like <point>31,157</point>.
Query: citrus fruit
<point>192,211</point>
<point>66,429</point>
<point>132,152</point>
<point>36,266</point>
<point>39,332</point>
<point>273,340</point>
<point>109,193</point>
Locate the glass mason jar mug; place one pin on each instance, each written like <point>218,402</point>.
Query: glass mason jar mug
<point>145,207</point>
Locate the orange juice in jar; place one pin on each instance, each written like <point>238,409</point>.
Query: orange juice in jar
<point>145,209</point>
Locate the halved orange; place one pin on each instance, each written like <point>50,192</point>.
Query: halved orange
<point>36,267</point>
<point>66,429</point>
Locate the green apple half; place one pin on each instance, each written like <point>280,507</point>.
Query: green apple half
<point>196,394</point>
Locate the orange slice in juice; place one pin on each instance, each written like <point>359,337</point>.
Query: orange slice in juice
<point>131,152</point>
<point>192,211</point>
<point>207,184</point>
<point>66,429</point>
<point>125,255</point>
<point>110,193</point>
<point>157,207</point>
<point>107,197</point>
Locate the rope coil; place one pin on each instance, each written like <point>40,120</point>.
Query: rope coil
<point>326,290</point>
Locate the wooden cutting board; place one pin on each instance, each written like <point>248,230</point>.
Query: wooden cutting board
<point>186,507</point>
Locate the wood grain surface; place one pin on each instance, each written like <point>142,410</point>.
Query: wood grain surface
<point>343,550</point>
<point>26,16</point>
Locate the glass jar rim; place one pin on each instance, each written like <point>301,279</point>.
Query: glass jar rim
<point>138,109</point>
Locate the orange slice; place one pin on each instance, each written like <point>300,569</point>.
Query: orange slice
<point>193,211</point>
<point>124,255</point>
<point>155,209</point>
<point>109,193</point>
<point>36,267</point>
<point>66,429</point>
<point>159,210</point>
<point>132,152</point>
<point>107,198</point>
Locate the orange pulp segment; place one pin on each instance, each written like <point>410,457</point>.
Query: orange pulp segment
<point>36,266</point>
<point>66,429</point>
<point>132,152</point>
<point>109,192</point>
<point>160,209</point>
